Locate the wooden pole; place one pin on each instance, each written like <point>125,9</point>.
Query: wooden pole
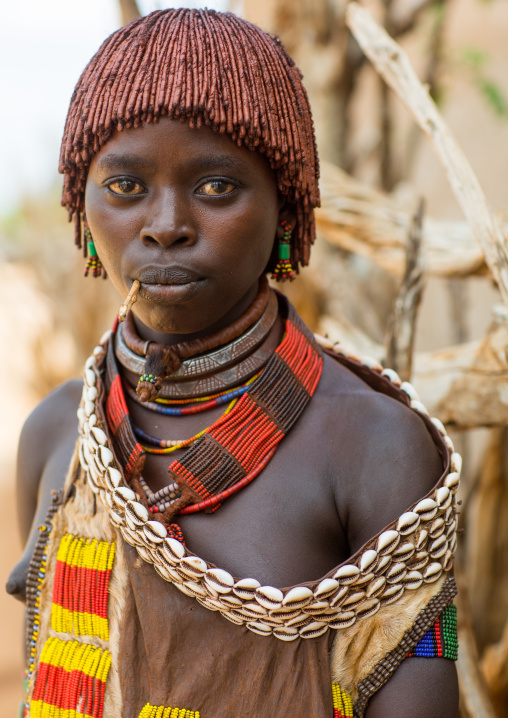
<point>393,65</point>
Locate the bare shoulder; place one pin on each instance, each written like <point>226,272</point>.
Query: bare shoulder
<point>385,456</point>
<point>50,423</point>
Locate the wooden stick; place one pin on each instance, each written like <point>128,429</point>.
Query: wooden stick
<point>129,301</point>
<point>400,338</point>
<point>474,698</point>
<point>393,65</point>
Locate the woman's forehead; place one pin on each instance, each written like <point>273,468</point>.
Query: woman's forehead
<point>170,139</point>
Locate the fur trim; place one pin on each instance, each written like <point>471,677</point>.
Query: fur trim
<point>358,649</point>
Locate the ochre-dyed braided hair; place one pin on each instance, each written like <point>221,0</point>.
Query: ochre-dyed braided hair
<point>205,68</point>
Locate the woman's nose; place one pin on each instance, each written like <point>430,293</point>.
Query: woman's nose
<point>168,222</point>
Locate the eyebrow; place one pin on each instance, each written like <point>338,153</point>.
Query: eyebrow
<point>114,161</point>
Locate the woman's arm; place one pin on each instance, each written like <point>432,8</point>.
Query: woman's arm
<point>45,449</point>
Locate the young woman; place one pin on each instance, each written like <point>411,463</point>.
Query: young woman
<point>250,524</point>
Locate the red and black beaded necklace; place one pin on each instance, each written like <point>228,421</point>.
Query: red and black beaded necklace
<point>239,445</point>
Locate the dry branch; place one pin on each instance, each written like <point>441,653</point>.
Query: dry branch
<point>400,339</point>
<point>474,698</point>
<point>364,221</point>
<point>495,669</point>
<point>394,66</point>
<point>465,385</point>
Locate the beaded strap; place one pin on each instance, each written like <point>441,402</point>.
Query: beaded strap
<point>150,711</point>
<point>440,641</point>
<point>71,680</point>
<point>35,578</point>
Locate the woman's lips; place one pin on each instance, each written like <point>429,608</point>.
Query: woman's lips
<point>168,285</point>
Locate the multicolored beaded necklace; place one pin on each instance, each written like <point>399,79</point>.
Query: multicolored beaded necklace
<point>240,444</point>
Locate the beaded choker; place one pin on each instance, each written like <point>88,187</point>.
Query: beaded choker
<point>227,366</point>
<point>235,449</point>
<point>163,361</point>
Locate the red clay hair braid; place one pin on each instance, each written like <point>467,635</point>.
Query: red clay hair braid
<point>205,68</point>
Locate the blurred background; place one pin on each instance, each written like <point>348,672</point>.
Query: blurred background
<point>421,299</point>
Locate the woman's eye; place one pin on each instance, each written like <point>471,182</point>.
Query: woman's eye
<point>126,187</point>
<point>216,188</point>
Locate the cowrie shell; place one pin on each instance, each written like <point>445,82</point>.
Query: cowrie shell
<point>419,407</point>
<point>403,552</point>
<point>353,600</point>
<point>383,564</point>
<point>115,477</point>
<point>391,594</point>
<point>420,560</point>
<point>443,497</point>
<point>452,481</point>
<point>368,560</point>
<point>372,364</point>
<point>346,574</point>
<point>232,617</point>
<point>421,539</point>
<point>343,620</point>
<point>285,633</point>
<point>91,393</point>
<point>137,512</point>
<point>90,377</point>
<point>195,588</point>
<point>387,541</point>
<point>285,614</point>
<point>89,407</point>
<point>106,456</point>
<point>326,588</point>
<point>368,608</point>
<point>449,444</point>
<point>392,376</point>
<point>229,600</point>
<point>408,522</point>
<point>439,425</point>
<point>375,587</point>
<point>448,560</point>
<point>155,531</point>
<point>412,580</point>
<point>426,509</point>
<point>98,351</point>
<point>92,420</point>
<point>269,597</point>
<point>409,389</point>
<point>99,435</point>
<point>317,607</point>
<point>438,547</point>
<point>297,597</point>
<point>396,572</point>
<point>122,495</point>
<point>105,337</point>
<point>173,549</point>
<point>298,621</point>
<point>337,599</point>
<point>208,603</point>
<point>260,628</point>
<point>246,587</point>
<point>432,572</point>
<point>145,555</point>
<point>253,610</point>
<point>456,462</point>
<point>323,341</point>
<point>313,630</point>
<point>192,566</point>
<point>437,528</point>
<point>220,580</point>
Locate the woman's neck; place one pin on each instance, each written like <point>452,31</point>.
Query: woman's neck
<point>148,334</point>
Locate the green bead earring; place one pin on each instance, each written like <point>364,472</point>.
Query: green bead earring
<point>284,271</point>
<point>94,264</point>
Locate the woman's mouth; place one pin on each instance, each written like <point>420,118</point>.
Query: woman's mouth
<point>168,285</point>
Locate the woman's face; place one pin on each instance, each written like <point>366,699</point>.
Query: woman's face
<point>189,214</point>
